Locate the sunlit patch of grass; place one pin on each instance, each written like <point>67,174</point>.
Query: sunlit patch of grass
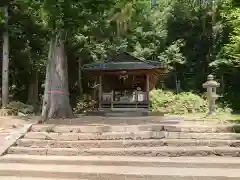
<point>221,117</point>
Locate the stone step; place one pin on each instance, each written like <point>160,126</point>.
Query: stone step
<point>199,136</point>
<point>133,128</point>
<point>95,136</point>
<point>30,178</point>
<point>124,112</point>
<point>187,162</point>
<point>116,172</point>
<point>137,151</point>
<point>124,143</point>
<point>93,120</point>
<point>130,135</point>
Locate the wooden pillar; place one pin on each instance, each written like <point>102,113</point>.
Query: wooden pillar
<point>112,99</point>
<point>147,89</point>
<point>100,92</point>
<point>136,98</point>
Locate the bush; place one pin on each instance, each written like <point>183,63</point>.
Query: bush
<point>84,104</point>
<point>182,103</point>
<point>20,107</point>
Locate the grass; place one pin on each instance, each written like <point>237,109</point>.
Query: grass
<point>223,118</point>
<point>236,117</point>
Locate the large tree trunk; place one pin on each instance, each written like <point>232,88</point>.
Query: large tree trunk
<point>80,77</point>
<point>45,99</point>
<point>58,103</point>
<point>33,90</point>
<point>5,66</point>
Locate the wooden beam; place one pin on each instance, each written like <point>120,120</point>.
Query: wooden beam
<point>112,99</point>
<point>129,71</point>
<point>147,88</point>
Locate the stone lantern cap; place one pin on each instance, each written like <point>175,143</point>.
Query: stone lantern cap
<point>211,82</point>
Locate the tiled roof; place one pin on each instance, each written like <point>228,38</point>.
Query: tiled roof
<point>123,61</point>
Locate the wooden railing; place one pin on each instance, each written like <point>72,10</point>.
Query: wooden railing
<point>132,103</point>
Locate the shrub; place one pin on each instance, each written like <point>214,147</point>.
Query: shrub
<point>182,103</point>
<point>84,104</point>
<point>20,107</point>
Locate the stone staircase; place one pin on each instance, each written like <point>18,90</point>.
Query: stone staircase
<point>124,152</point>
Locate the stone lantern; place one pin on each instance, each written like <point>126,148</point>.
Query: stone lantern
<point>211,85</point>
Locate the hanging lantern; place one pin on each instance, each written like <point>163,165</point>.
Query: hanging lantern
<point>123,75</point>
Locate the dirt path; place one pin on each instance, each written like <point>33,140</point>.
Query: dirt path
<point>10,123</point>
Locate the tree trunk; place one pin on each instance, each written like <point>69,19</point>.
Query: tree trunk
<point>45,99</point>
<point>213,29</point>
<point>59,104</point>
<point>33,90</point>
<point>80,77</point>
<point>5,66</point>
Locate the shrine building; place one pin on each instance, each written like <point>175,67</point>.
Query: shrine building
<point>124,82</point>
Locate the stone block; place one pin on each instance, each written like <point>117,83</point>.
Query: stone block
<point>62,151</point>
<point>27,151</point>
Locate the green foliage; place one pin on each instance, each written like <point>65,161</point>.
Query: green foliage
<point>189,35</point>
<point>232,49</point>
<point>229,55</point>
<point>85,104</point>
<point>182,103</point>
<point>172,55</point>
<point>18,106</point>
